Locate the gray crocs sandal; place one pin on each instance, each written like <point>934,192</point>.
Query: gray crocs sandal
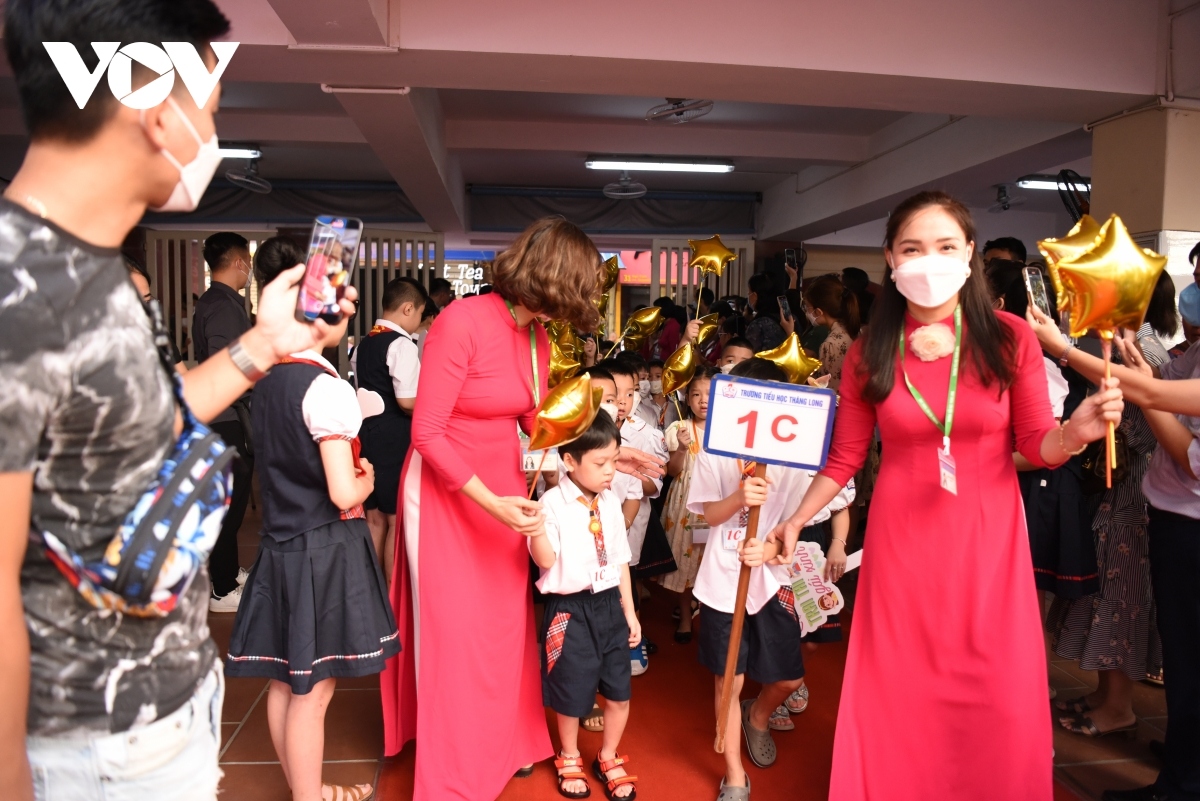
<point>734,793</point>
<point>759,744</point>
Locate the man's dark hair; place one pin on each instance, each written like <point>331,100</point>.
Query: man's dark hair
<point>738,342</point>
<point>707,296</point>
<point>1010,243</point>
<point>760,369</point>
<point>1195,254</point>
<point>600,434</point>
<point>403,290</point>
<point>275,255</point>
<point>615,367</point>
<point>437,285</point>
<point>855,279</point>
<point>721,308</point>
<point>218,247</point>
<point>49,110</point>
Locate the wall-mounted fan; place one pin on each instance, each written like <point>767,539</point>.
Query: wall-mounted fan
<point>1005,201</point>
<point>678,110</point>
<point>249,178</point>
<point>625,188</point>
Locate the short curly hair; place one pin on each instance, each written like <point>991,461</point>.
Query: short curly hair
<point>552,268</point>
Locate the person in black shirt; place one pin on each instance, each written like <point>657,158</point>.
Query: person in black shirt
<point>220,318</point>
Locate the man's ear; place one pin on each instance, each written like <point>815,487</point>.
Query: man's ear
<point>154,122</point>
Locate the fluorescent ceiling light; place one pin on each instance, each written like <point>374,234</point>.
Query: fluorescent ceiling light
<point>1050,183</point>
<point>658,166</point>
<point>239,153</point>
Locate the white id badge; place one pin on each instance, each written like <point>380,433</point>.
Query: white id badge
<point>730,537</point>
<point>532,460</point>
<point>605,578</point>
<point>700,534</point>
<point>947,473</point>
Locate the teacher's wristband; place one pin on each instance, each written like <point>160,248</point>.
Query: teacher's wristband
<point>241,360</point>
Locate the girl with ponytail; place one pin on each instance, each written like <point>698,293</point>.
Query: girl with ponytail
<point>827,302</point>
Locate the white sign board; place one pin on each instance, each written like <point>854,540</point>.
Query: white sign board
<point>769,422</point>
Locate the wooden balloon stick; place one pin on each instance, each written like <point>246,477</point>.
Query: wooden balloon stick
<point>538,472</point>
<point>1110,437</point>
<point>735,630</point>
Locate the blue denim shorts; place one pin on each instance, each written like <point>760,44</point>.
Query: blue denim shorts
<point>172,759</point>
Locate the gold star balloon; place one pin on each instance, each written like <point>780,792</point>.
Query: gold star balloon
<point>644,322</point>
<point>555,328</point>
<point>708,327</point>
<point>601,304</point>
<point>562,365</point>
<point>612,272</point>
<point>1109,286</point>
<point>565,414</point>
<point>679,368</point>
<point>1080,239</point>
<point>792,359</point>
<point>710,255</point>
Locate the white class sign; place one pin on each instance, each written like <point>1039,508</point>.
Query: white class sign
<point>770,422</point>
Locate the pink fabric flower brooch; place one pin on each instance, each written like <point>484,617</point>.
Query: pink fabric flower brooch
<point>932,342</point>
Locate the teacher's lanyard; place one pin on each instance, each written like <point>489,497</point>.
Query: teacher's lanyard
<point>946,464</point>
<point>533,357</point>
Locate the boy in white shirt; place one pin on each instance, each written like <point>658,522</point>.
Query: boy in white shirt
<point>724,490</point>
<point>589,623</point>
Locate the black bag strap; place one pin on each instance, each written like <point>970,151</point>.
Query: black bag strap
<point>162,344</point>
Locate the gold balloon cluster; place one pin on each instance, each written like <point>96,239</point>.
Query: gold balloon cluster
<point>1104,279</point>
<point>710,255</point>
<point>792,359</point>
<point>566,413</point>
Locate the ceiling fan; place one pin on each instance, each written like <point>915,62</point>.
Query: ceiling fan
<point>248,178</point>
<point>1004,201</point>
<point>625,188</point>
<point>678,110</point>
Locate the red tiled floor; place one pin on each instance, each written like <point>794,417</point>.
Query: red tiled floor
<point>669,737</point>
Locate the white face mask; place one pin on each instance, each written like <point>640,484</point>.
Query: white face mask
<point>644,387</point>
<point>194,176</point>
<point>637,401</point>
<point>725,368</point>
<point>611,409</point>
<point>656,387</point>
<point>930,281</point>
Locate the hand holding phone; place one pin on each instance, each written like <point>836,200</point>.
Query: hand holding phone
<point>1036,287</point>
<point>332,252</point>
<point>784,306</point>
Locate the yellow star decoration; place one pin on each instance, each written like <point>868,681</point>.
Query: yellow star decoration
<point>708,327</point>
<point>792,359</point>
<point>710,255</point>
<point>1109,286</point>
<point>1080,239</point>
<point>566,413</point>
<point>612,272</point>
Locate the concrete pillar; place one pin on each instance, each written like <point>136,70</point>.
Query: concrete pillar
<point>1146,168</point>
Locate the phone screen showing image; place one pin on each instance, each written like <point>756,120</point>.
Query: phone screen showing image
<point>784,306</point>
<point>789,257</point>
<point>1036,285</point>
<point>332,252</point>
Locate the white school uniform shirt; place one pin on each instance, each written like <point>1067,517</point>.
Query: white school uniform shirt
<point>403,361</point>
<point>575,548</point>
<point>842,500</point>
<point>637,433</point>
<point>715,478</point>
<point>330,406</point>
<point>1057,385</point>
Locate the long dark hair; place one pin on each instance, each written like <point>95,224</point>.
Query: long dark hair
<point>837,301</point>
<point>988,344</point>
<point>1161,311</point>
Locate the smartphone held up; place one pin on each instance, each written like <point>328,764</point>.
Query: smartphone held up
<point>332,253</point>
<point>1035,284</point>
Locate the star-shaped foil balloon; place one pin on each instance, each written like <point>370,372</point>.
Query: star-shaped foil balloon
<point>710,255</point>
<point>679,369</point>
<point>708,327</point>
<point>567,412</point>
<point>563,366</point>
<point>792,359</point>
<point>1080,239</point>
<point>612,272</point>
<point>1109,286</point>
<point>644,322</point>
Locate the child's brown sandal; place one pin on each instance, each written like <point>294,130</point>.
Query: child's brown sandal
<point>571,769</point>
<point>602,768</point>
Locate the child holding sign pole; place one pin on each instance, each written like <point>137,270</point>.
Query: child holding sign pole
<point>724,490</point>
<point>589,625</point>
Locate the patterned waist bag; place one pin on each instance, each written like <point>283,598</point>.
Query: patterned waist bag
<point>165,540</point>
